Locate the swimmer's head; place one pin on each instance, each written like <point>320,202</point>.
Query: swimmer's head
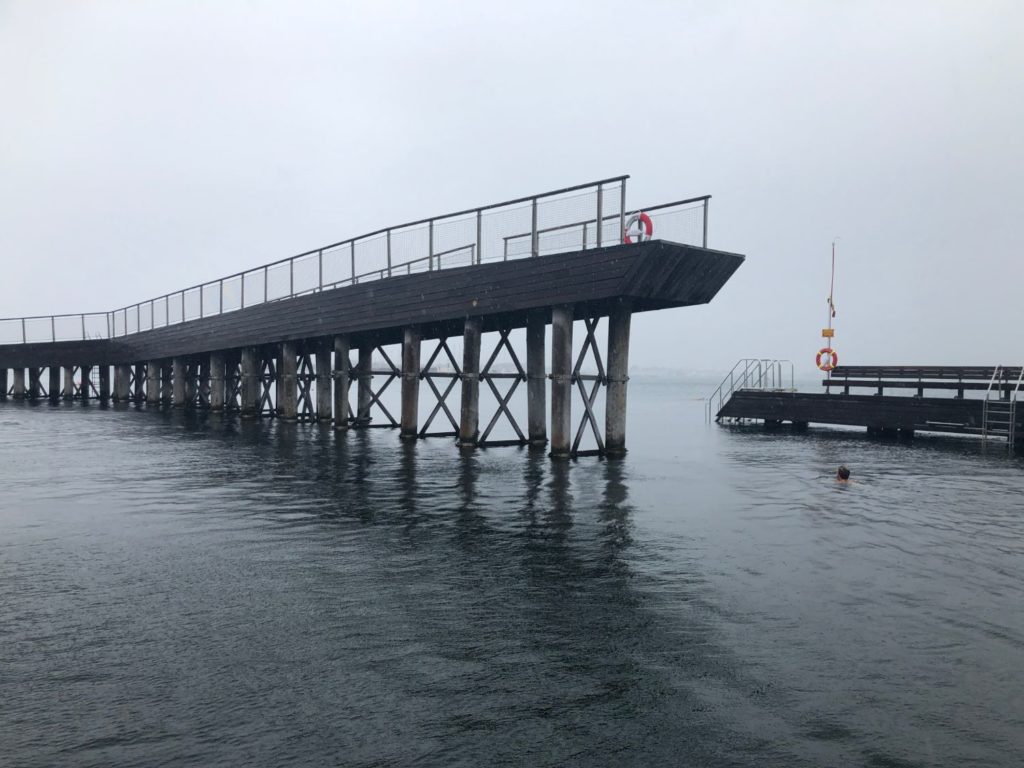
<point>843,473</point>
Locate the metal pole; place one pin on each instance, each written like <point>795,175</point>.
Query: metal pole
<point>389,252</point>
<point>202,300</point>
<point>600,211</point>
<point>320,269</point>
<point>479,236</point>
<point>220,303</point>
<point>167,309</point>
<point>534,237</point>
<point>622,212</point>
<point>23,340</point>
<point>584,236</point>
<point>266,283</point>
<point>152,314</point>
<point>352,259</point>
<point>138,320</point>
<point>182,311</point>
<point>53,329</point>
<point>242,279</point>
<point>83,326</point>
<point>430,253</point>
<point>291,278</point>
<point>706,223</point>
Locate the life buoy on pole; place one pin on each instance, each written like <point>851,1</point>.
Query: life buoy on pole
<point>644,230</point>
<point>827,359</point>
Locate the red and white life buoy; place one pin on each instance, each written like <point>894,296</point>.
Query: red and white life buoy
<point>827,359</point>
<point>644,230</point>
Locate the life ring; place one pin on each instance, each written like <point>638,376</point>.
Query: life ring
<point>644,231</point>
<point>831,359</point>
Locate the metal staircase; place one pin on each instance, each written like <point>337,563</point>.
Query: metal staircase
<point>750,373</point>
<point>999,413</point>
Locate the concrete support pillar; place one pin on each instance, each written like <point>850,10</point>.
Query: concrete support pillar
<point>179,377</point>
<point>85,371</point>
<point>121,377</point>
<point>3,384</point>
<point>364,374</point>
<point>618,376</point>
<point>536,379</point>
<point>287,394</point>
<point>250,383</point>
<point>202,380</point>
<point>561,381</point>
<point>191,388</point>
<point>341,382</point>
<point>69,382</point>
<point>153,382</point>
<point>53,382</point>
<point>104,383</point>
<point>218,371</point>
<point>34,389</point>
<point>469,421</point>
<point>323,382</point>
<point>410,383</point>
<point>19,384</point>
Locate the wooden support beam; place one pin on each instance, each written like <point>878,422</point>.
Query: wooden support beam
<point>3,384</point>
<point>85,372</point>
<point>191,388</point>
<point>536,379</point>
<point>179,374</point>
<point>104,383</point>
<point>469,420</point>
<point>323,382</point>
<point>54,382</point>
<point>287,370</point>
<point>139,395</point>
<point>561,380</point>
<point>18,391</point>
<point>153,382</point>
<point>217,379</point>
<point>364,375</point>
<point>341,382</point>
<point>250,383</point>
<point>34,389</point>
<point>618,376</point>
<point>411,344</point>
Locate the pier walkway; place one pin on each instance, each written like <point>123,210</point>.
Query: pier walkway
<point>278,340</point>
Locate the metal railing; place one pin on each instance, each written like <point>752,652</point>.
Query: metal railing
<point>584,216</point>
<point>750,373</point>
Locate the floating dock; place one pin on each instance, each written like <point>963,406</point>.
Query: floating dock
<point>976,400</point>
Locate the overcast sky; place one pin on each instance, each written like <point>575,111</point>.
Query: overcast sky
<point>146,146</point>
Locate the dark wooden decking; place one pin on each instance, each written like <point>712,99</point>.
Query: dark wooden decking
<point>650,275</point>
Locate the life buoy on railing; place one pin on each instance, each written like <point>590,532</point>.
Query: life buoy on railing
<point>827,359</point>
<point>643,231</point>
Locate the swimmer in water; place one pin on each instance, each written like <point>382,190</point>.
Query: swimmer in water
<point>842,474</point>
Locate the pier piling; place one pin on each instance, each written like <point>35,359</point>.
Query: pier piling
<point>153,383</point>
<point>250,405</point>
<point>364,395</point>
<point>411,344</point>
<point>217,379</point>
<point>618,376</point>
<point>342,376</point>
<point>323,382</point>
<point>287,402</point>
<point>536,379</point>
<point>54,382</point>
<point>178,377</point>
<point>19,384</point>
<point>469,421</point>
<point>561,380</point>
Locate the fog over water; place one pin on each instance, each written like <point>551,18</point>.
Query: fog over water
<point>148,146</point>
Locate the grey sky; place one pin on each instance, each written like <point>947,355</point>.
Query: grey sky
<point>146,146</point>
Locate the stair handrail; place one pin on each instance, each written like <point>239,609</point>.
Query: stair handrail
<point>988,396</point>
<point>757,373</point>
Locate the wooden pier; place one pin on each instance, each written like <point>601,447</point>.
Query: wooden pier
<point>278,341</point>
<point>976,400</point>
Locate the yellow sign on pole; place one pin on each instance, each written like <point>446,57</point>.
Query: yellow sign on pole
<point>827,333</point>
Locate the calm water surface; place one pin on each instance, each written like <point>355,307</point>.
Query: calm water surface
<point>191,590</point>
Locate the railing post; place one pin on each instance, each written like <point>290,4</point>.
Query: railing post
<point>202,300</point>
<point>389,252</point>
<point>320,269</point>
<point>352,259</point>
<point>53,329</point>
<point>138,320</point>
<point>291,278</point>
<point>266,284</point>
<point>706,201</point>
<point>220,303</point>
<point>584,236</point>
<point>600,212</point>
<point>152,314</point>
<point>182,311</point>
<point>242,278</point>
<point>430,252</point>
<point>622,212</point>
<point>167,310</point>
<point>83,327</point>
<point>534,235</point>
<point>479,236</point>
